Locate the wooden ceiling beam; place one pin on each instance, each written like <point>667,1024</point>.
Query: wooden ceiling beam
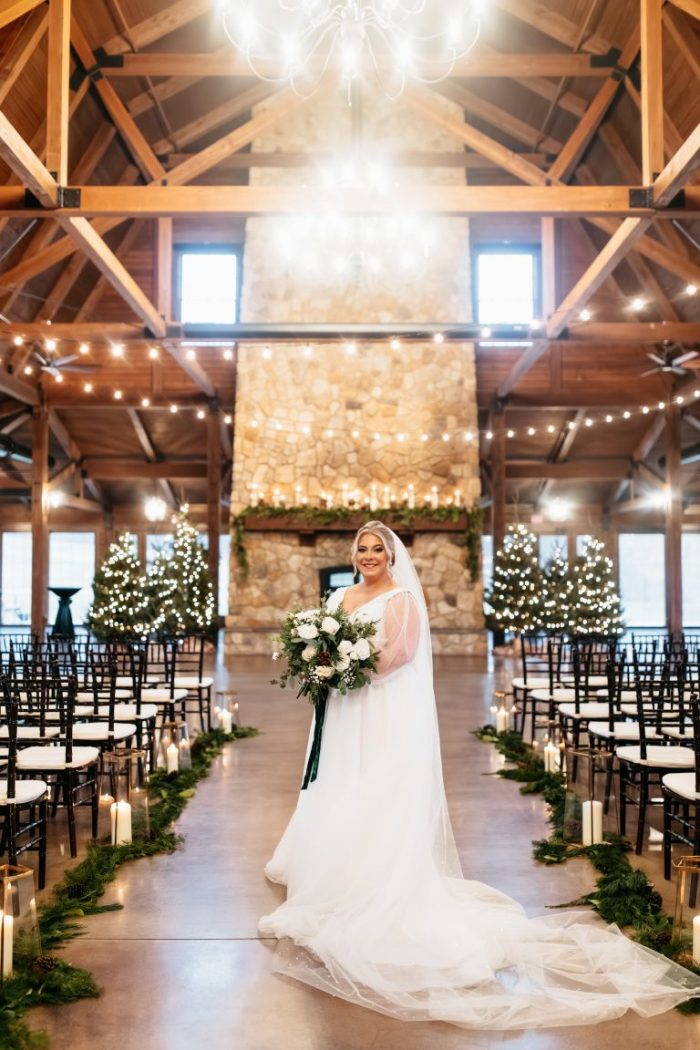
<point>11,10</point>
<point>691,7</point>
<point>19,420</point>
<point>580,139</point>
<point>172,17</point>
<point>213,118</point>
<point>123,121</point>
<point>652,90</point>
<point>22,48</point>
<point>99,253</point>
<point>126,240</point>
<point>151,454</point>
<point>576,469</point>
<point>54,253</point>
<point>233,64</point>
<point>192,368</point>
<point>57,98</point>
<point>679,168</point>
<point>619,332</point>
<point>667,258</point>
<point>542,17</point>
<point>681,32</point>
<point>497,117</point>
<point>125,469</point>
<point>407,159</point>
<point>17,388</point>
<point>156,201</point>
<point>523,365</point>
<point>26,165</point>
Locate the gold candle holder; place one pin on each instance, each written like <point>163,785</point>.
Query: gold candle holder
<point>685,867</point>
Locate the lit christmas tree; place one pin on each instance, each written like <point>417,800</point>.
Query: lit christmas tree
<point>557,594</point>
<point>120,606</point>
<point>515,596</point>
<point>597,609</point>
<point>180,586</point>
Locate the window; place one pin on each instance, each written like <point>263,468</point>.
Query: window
<point>581,542</point>
<point>72,564</point>
<point>208,284</point>
<point>549,546</point>
<point>690,553</point>
<point>16,595</point>
<point>155,544</point>
<point>506,286</point>
<point>642,578</point>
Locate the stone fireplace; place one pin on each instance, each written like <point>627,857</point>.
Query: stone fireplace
<point>325,420</point>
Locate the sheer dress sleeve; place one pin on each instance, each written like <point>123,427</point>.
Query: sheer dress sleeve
<point>401,634</point>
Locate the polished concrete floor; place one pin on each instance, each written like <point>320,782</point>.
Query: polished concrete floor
<point>181,965</point>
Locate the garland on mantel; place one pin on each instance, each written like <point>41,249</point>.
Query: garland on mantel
<point>48,980</point>
<point>623,895</point>
<point>401,517</point>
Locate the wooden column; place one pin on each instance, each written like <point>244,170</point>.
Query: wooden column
<point>549,271</point>
<point>498,478</point>
<point>674,520</point>
<point>40,519</point>
<point>652,90</point>
<point>57,90</point>
<point>164,267</point>
<point>214,495</point>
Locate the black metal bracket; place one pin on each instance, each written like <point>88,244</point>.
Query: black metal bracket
<point>641,197</point>
<point>609,61</point>
<point>107,61</point>
<point>31,201</point>
<point>68,197</point>
<point>173,331</point>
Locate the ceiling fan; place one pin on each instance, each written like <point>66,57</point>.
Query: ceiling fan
<point>665,361</point>
<point>56,365</point>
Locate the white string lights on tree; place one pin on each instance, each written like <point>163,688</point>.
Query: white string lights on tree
<point>393,41</point>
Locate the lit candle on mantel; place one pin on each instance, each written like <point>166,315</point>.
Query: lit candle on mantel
<point>297,494</point>
<point>411,496</point>
<point>392,500</point>
<point>427,499</point>
<point>404,498</point>
<point>435,501</point>
<point>345,499</point>
<point>373,502</point>
<point>385,496</point>
<point>458,497</point>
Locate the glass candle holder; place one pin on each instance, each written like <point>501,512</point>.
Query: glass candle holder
<point>19,928</point>
<point>227,710</point>
<point>124,794</point>
<point>174,753</point>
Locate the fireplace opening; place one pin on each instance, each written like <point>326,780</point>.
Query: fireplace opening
<point>336,576</point>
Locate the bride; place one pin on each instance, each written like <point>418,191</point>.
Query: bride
<point>378,910</point>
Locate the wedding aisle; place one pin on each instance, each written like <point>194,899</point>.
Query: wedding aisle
<point>181,964</point>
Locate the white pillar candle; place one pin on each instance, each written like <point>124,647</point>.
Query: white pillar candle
<point>373,501</point>
<point>592,823</point>
<point>696,940</point>
<point>120,819</point>
<point>225,721</point>
<point>172,757</point>
<point>434,499</point>
<point>501,720</point>
<point>217,715</point>
<point>236,714</point>
<point>458,497</point>
<point>411,496</point>
<point>550,758</point>
<point>7,943</point>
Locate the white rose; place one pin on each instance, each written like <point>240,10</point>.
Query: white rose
<point>325,672</point>
<point>276,656</point>
<point>345,648</point>
<point>307,631</point>
<point>342,664</point>
<point>308,653</point>
<point>329,625</point>
<point>305,614</point>
<point>362,649</point>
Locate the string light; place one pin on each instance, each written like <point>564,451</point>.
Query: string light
<point>438,338</point>
<point>173,409</point>
<point>395,344</point>
<point>691,289</point>
<point>531,431</point>
<point>50,345</point>
<point>485,333</point>
<point>228,354</point>
<point>351,348</point>
<point>191,355</point>
<point>200,413</point>
<point>28,370</point>
<point>267,353</point>
<point>584,315</point>
<point>228,420</point>
<point>18,340</point>
<point>117,350</point>
<point>84,349</point>
<point>637,304</point>
<point>118,394</point>
<point>58,378</point>
<point>153,353</point>
<point>145,402</point>
<point>88,388</point>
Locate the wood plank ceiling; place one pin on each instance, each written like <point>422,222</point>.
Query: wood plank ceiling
<point>165,117</point>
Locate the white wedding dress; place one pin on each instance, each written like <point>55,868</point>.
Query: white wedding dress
<point>378,911</point>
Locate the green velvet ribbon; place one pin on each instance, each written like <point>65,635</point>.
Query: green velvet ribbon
<point>315,753</point>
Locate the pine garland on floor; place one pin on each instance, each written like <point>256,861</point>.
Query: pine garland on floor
<point>623,895</point>
<point>48,980</point>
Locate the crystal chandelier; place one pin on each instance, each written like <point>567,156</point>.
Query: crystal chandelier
<point>392,41</point>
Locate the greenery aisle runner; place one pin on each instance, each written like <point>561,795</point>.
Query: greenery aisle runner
<point>623,895</point>
<point>46,979</point>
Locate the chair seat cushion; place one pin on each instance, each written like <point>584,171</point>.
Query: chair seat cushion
<point>674,732</point>
<point>186,681</point>
<point>649,711</point>
<point>52,757</point>
<point>588,710</point>
<point>30,733</point>
<point>594,680</point>
<point>625,694</point>
<point>161,695</point>
<point>26,791</point>
<point>658,756</point>
<point>682,784</point>
<point>125,681</point>
<point>122,712</point>
<point>533,682</point>
<point>98,731</point>
<point>560,696</point>
<point>85,696</point>
<point>620,731</point>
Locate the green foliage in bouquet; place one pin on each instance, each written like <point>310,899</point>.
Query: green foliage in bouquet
<point>326,651</point>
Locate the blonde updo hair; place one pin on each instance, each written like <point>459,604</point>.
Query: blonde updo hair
<point>377,528</point>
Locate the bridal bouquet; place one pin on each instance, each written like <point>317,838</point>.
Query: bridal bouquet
<point>324,651</point>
